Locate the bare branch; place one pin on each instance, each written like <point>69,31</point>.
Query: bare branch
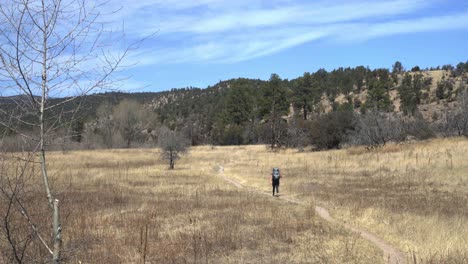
<point>50,48</point>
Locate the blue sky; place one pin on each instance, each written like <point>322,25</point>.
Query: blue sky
<point>198,43</point>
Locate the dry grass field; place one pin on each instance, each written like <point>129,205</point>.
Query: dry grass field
<point>191,214</point>
<point>124,206</point>
<point>414,195</point>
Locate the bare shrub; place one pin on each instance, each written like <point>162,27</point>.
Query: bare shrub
<point>297,134</point>
<point>417,128</point>
<point>375,129</point>
<point>458,120</point>
<point>22,211</point>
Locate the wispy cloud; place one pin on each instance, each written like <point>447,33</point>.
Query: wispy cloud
<point>423,24</point>
<point>293,15</point>
<point>216,31</point>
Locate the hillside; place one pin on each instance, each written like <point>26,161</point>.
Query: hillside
<point>175,101</point>
<point>184,102</point>
<point>430,105</point>
<point>286,112</point>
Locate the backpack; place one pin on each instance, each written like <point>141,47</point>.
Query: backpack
<point>276,173</point>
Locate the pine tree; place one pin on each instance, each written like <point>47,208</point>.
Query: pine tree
<point>397,67</point>
<point>410,93</point>
<point>377,97</point>
<point>275,105</point>
<point>306,94</point>
<point>239,104</point>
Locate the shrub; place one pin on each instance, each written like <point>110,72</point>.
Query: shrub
<point>375,129</point>
<point>330,130</point>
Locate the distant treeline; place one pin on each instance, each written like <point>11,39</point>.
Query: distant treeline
<point>321,110</point>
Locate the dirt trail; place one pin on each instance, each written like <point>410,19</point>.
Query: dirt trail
<point>391,254</point>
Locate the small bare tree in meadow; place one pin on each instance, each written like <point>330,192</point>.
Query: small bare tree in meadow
<point>49,49</point>
<point>172,145</point>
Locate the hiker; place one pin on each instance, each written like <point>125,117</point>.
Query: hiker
<point>275,180</point>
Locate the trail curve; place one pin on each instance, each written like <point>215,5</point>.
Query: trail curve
<point>391,254</point>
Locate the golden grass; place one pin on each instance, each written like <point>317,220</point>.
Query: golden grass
<point>191,213</point>
<point>413,195</point>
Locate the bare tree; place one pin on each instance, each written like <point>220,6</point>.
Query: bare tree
<point>172,145</point>
<point>130,118</point>
<point>297,134</point>
<point>49,49</point>
<point>375,129</point>
<point>462,113</point>
<point>455,122</point>
<point>106,124</point>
